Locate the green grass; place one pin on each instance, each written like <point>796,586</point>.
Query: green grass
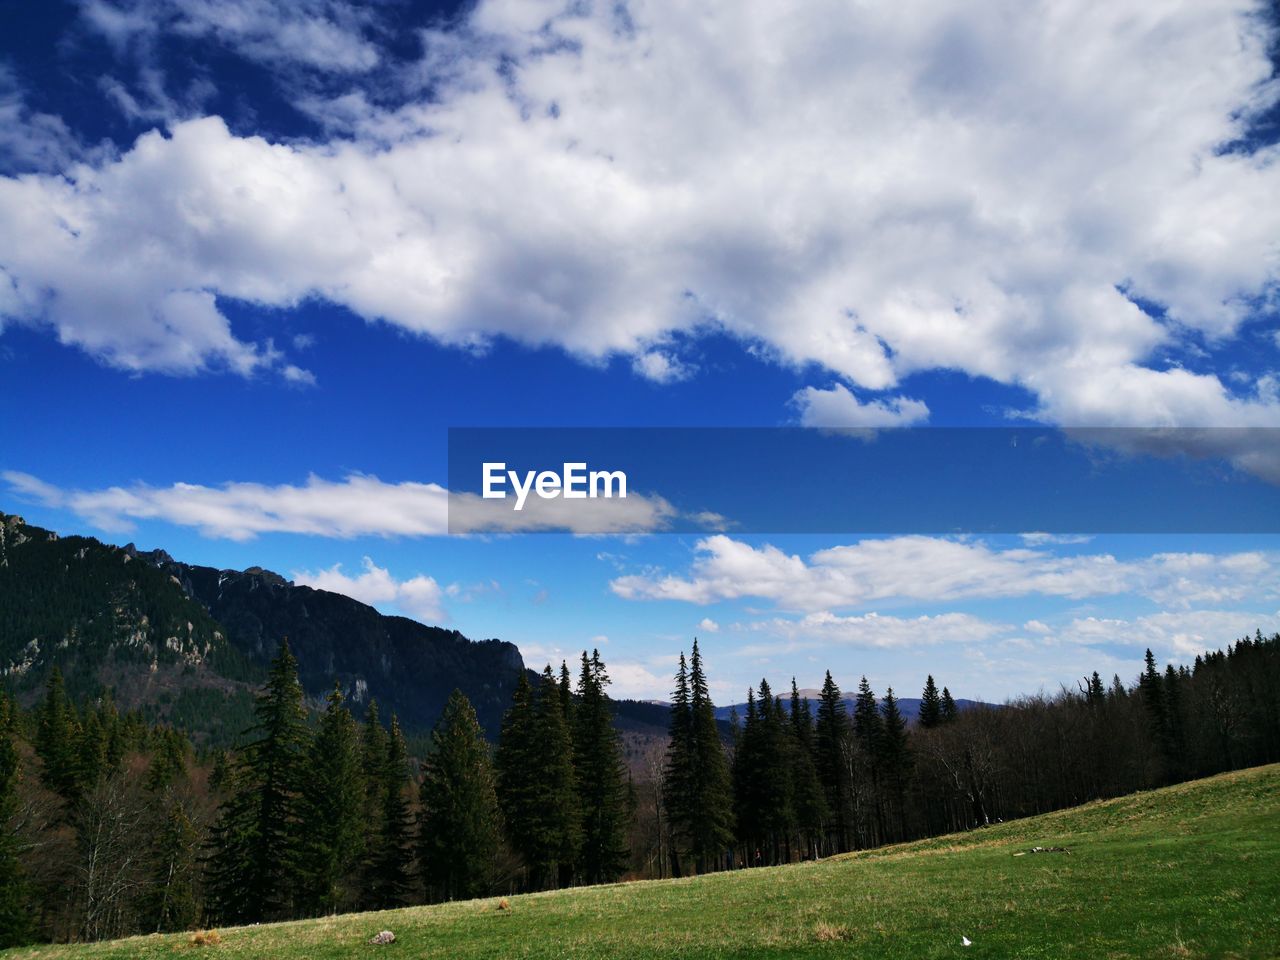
<point>1190,871</point>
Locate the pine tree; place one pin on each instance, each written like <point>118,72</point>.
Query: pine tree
<point>253,871</point>
<point>949,709</point>
<point>930,705</point>
<point>374,745</point>
<point>894,759</point>
<point>566,695</point>
<point>536,788</point>
<point>602,789</point>
<point>56,736</point>
<point>831,736</point>
<point>459,831</point>
<point>868,726</point>
<point>388,876</point>
<point>332,804</point>
<point>710,815</point>
<point>762,787</point>
<point>14,914</point>
<point>678,772</point>
<point>810,805</point>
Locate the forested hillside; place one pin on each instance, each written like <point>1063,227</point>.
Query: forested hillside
<point>186,643</point>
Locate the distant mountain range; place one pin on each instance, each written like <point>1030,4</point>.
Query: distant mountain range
<point>910,706</point>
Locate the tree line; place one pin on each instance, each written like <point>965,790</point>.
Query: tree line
<point>116,825</point>
<point>124,829</point>
<point>794,782</point>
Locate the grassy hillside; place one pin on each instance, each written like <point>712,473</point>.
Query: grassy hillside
<point>1190,871</point>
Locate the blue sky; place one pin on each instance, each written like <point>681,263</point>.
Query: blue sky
<point>257,257</point>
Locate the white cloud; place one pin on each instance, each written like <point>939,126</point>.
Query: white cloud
<point>1171,635</point>
<point>838,407</point>
<point>707,625</point>
<point>1039,539</point>
<point>875,189</point>
<point>357,506</point>
<point>920,568</point>
<point>321,34</point>
<point>661,367</point>
<point>29,139</point>
<point>419,597</point>
<point>825,629</point>
<point>360,505</point>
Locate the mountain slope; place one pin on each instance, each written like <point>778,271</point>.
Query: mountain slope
<point>171,636</point>
<point>1187,871</point>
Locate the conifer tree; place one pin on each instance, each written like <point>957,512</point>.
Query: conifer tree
<point>949,709</point>
<point>332,804</point>
<point>678,772</point>
<point>536,788</point>
<point>14,914</point>
<point>388,876</point>
<point>56,735</point>
<point>253,871</point>
<point>831,738</point>
<point>868,726</point>
<point>894,758</point>
<point>810,805</point>
<point>566,695</point>
<point>602,789</point>
<point>930,705</point>
<point>710,815</point>
<point>459,831</point>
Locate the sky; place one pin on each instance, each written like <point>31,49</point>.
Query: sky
<point>257,258</point>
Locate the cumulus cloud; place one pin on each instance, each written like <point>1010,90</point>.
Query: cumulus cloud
<point>838,407</point>
<point>874,189</point>
<point>419,597</point>
<point>359,505</point>
<point>919,568</point>
<point>661,367</point>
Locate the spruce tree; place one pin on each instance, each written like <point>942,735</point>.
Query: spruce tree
<point>868,727</point>
<point>710,814</point>
<point>253,872</point>
<point>332,805</point>
<point>930,705</point>
<point>810,804</point>
<point>831,738</point>
<point>389,868</point>
<point>536,788</point>
<point>600,777</point>
<point>57,732</point>
<point>678,771</point>
<point>459,831</point>
<point>894,759</point>
<point>949,709</point>
<point>374,746</point>
<point>15,926</point>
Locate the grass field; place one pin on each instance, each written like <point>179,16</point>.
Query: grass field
<point>1190,871</point>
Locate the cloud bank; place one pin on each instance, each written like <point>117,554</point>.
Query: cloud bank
<point>933,569</point>
<point>874,189</point>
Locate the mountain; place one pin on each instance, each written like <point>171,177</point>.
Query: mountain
<point>190,643</point>
<point>910,706</point>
